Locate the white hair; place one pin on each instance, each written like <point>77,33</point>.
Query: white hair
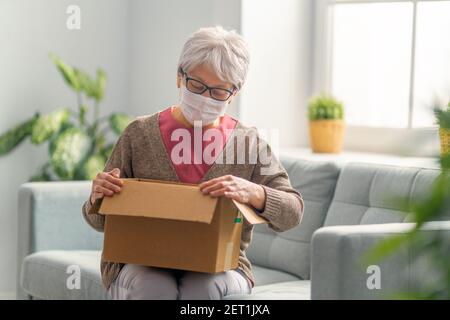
<point>224,51</point>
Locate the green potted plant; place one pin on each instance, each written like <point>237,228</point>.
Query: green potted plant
<point>77,147</point>
<point>443,120</point>
<point>326,124</point>
<point>434,245</point>
<point>434,205</point>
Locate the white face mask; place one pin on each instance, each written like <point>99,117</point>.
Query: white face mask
<point>196,107</point>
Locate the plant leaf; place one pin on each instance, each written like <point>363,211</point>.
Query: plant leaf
<point>13,137</point>
<point>46,126</point>
<point>442,115</point>
<point>89,168</point>
<point>385,248</point>
<point>42,174</point>
<point>118,122</point>
<point>82,114</point>
<point>68,150</point>
<point>87,85</point>
<point>445,162</point>
<point>100,85</point>
<point>106,151</point>
<point>67,72</point>
<point>325,107</point>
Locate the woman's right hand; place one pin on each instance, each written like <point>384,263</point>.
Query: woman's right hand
<point>106,184</point>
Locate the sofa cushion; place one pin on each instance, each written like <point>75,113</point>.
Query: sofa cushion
<point>289,251</point>
<point>369,193</point>
<point>264,276</point>
<point>49,218</point>
<point>292,290</point>
<point>45,274</point>
<point>46,207</point>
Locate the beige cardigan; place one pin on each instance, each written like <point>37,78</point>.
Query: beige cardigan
<point>140,153</point>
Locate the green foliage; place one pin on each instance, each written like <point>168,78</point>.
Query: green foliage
<point>325,107</point>
<point>93,164</point>
<point>100,85</point>
<point>67,72</point>
<point>80,81</point>
<point>433,245</point>
<point>42,174</point>
<point>442,116</point>
<point>78,148</point>
<point>386,247</point>
<point>46,126</point>
<point>118,122</point>
<point>107,151</point>
<point>67,150</point>
<point>13,137</point>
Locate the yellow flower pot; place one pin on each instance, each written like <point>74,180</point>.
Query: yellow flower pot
<point>444,134</point>
<point>326,135</point>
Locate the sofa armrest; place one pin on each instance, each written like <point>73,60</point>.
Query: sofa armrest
<point>50,218</point>
<point>337,271</point>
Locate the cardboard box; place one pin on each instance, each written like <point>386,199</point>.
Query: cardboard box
<point>173,225</point>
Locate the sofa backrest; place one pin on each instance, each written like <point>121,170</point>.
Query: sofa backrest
<point>368,193</point>
<point>49,217</point>
<point>289,251</point>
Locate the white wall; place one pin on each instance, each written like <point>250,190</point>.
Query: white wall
<point>158,30</point>
<point>29,82</point>
<point>278,86</point>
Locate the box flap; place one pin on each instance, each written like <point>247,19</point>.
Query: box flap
<point>250,215</point>
<point>155,199</point>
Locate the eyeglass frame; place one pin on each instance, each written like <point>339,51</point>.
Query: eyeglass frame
<point>231,92</point>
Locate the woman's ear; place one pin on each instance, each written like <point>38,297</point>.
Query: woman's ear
<point>178,80</point>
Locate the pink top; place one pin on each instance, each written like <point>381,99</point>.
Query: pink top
<point>190,160</point>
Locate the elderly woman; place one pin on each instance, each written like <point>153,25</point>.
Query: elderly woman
<point>211,70</point>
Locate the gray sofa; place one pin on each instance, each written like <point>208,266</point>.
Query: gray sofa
<point>348,208</point>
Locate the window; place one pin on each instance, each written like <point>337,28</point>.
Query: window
<point>389,61</point>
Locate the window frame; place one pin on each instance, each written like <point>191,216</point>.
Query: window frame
<point>358,136</point>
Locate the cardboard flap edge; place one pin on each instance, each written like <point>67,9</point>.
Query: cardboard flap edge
<point>250,215</point>
<point>109,206</point>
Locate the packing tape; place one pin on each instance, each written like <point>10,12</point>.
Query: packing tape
<point>228,256</point>
<point>238,219</point>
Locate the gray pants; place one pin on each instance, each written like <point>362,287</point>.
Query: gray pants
<point>151,283</point>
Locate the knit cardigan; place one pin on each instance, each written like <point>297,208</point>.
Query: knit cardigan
<point>140,153</point>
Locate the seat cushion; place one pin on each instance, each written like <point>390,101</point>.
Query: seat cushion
<point>264,276</point>
<point>45,275</point>
<point>289,251</point>
<point>292,290</point>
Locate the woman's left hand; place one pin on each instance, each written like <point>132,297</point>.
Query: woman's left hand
<point>235,188</point>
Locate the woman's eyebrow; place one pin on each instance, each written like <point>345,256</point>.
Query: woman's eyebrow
<point>215,86</point>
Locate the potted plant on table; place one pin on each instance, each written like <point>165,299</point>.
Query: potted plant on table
<point>326,124</point>
<point>78,148</point>
<point>443,120</point>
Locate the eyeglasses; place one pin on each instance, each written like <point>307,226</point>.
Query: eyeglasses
<point>196,86</point>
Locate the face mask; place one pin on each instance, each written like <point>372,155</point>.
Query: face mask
<point>196,107</point>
